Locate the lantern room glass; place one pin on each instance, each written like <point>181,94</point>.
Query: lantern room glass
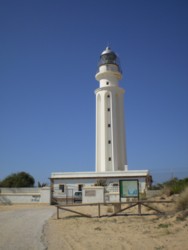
<point>109,58</point>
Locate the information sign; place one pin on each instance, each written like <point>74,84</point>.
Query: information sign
<point>129,188</point>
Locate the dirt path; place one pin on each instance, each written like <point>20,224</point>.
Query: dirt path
<point>22,227</point>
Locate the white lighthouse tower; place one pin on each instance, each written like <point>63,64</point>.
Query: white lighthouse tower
<point>111,159</point>
<point>110,129</point>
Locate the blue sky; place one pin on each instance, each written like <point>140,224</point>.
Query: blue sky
<point>49,52</point>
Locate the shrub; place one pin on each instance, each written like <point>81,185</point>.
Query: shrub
<point>109,209</point>
<point>175,186</point>
<point>182,201</point>
<point>163,225</point>
<point>101,182</point>
<point>158,186</point>
<point>20,179</point>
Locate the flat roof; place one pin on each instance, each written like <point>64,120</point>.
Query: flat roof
<point>115,174</point>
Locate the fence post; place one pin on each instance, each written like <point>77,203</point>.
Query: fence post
<point>99,210</point>
<point>139,208</point>
<point>57,212</point>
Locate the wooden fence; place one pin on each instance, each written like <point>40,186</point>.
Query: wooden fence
<point>117,208</point>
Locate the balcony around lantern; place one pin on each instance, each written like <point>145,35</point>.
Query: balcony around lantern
<point>110,69</point>
<point>111,66</point>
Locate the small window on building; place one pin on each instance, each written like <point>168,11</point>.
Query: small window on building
<point>109,125</point>
<point>109,158</point>
<point>109,142</point>
<point>107,83</point>
<point>108,96</point>
<point>108,109</point>
<point>80,186</point>
<point>62,187</point>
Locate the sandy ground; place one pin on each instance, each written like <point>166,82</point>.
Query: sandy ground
<point>121,232</point>
<point>34,227</point>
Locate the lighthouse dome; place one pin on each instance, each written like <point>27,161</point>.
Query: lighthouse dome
<point>109,57</point>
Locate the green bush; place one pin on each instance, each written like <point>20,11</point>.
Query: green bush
<point>20,179</point>
<point>175,186</point>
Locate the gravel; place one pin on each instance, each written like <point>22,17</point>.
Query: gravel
<point>22,228</point>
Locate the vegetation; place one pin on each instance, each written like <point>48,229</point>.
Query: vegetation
<point>173,186</point>
<point>101,182</point>
<point>182,202</point>
<point>43,184</point>
<point>164,225</point>
<point>110,209</point>
<point>177,186</point>
<point>158,186</point>
<point>20,179</point>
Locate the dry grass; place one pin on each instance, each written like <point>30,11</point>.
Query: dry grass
<point>110,209</point>
<point>167,191</point>
<point>182,201</point>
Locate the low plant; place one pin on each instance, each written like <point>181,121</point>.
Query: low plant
<point>159,248</point>
<point>109,209</point>
<point>182,216</point>
<point>182,201</point>
<point>158,186</point>
<point>163,225</point>
<point>174,186</point>
<point>142,196</point>
<point>101,182</point>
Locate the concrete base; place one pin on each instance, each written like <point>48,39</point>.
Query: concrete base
<point>117,208</point>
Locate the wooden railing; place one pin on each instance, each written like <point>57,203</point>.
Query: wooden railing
<point>117,208</point>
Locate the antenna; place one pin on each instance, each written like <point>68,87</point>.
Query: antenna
<point>108,45</point>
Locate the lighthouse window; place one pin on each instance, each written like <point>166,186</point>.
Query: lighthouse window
<point>109,125</point>
<point>62,187</point>
<point>80,186</point>
<point>109,142</point>
<point>109,158</point>
<point>108,96</point>
<point>107,83</point>
<point>108,109</point>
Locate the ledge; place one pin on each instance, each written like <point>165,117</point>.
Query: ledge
<point>116,174</point>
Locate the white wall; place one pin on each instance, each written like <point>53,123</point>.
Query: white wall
<point>93,195</point>
<point>72,185</point>
<point>24,195</point>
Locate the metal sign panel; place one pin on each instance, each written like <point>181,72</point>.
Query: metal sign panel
<point>129,188</point>
<point>90,192</point>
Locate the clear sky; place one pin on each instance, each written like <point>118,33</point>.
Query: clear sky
<point>49,52</point>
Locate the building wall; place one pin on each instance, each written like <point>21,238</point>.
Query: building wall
<point>93,195</point>
<point>25,195</point>
<point>19,190</point>
<point>72,185</point>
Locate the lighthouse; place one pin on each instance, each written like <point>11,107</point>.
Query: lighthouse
<point>111,159</point>
<point>110,128</point>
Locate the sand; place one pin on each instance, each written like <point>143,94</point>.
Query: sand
<point>72,231</point>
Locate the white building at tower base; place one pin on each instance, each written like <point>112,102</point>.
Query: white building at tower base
<point>65,184</point>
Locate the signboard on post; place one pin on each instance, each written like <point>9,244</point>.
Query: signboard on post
<point>129,189</point>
